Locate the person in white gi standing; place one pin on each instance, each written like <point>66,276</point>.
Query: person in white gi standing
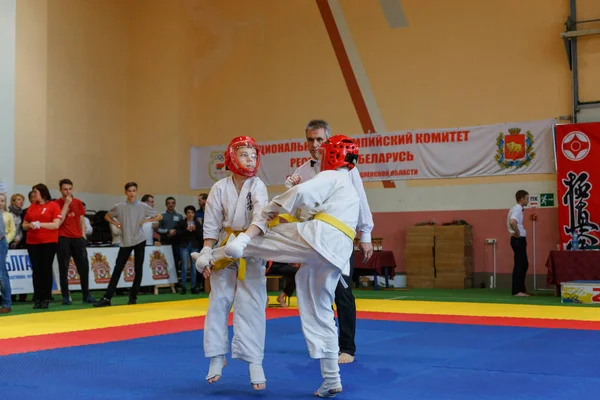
<point>317,132</point>
<point>234,205</point>
<point>322,244</point>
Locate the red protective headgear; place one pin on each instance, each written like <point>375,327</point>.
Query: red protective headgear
<point>338,151</point>
<point>231,160</point>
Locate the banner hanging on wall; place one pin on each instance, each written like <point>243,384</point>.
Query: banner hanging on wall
<point>511,148</point>
<point>578,182</point>
<point>159,268</point>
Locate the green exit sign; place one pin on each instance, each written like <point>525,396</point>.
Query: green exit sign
<point>547,200</point>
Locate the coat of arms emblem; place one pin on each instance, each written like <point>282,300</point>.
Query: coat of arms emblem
<point>159,265</point>
<point>101,268</point>
<point>515,150</point>
<point>72,274</point>
<point>129,270</point>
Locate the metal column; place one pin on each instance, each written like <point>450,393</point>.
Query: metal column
<point>570,38</point>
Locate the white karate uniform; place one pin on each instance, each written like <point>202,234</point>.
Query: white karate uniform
<point>323,250</point>
<point>226,209</point>
<point>311,168</point>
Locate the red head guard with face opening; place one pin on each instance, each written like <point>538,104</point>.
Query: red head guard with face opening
<point>338,151</point>
<point>231,160</point>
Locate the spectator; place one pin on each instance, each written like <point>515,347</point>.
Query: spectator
<point>7,234</point>
<point>189,233</point>
<point>89,230</point>
<point>199,216</point>
<point>72,242</point>
<point>149,227</point>
<point>23,242</point>
<point>42,221</point>
<point>166,228</point>
<point>16,209</point>
<point>132,214</point>
<point>115,233</point>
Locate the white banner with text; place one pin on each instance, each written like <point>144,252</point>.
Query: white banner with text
<point>510,148</point>
<point>159,268</point>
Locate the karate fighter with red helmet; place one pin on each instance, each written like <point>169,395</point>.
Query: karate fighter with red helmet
<point>234,206</point>
<point>322,245</point>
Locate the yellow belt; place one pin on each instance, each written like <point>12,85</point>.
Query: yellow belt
<point>331,220</point>
<point>336,223</point>
<point>287,217</point>
<point>224,262</point>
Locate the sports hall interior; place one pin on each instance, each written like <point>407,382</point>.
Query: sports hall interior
<point>109,91</point>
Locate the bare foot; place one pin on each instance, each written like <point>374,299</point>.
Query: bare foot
<point>345,358</point>
<point>521,294</point>
<point>282,300</point>
<point>257,376</point>
<point>217,375</point>
<point>328,393</point>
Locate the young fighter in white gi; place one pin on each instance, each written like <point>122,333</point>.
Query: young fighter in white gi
<point>317,131</point>
<point>234,205</point>
<point>323,245</point>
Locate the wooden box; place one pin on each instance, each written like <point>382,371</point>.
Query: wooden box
<point>439,256</point>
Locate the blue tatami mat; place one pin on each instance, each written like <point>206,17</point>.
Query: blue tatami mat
<point>395,360</point>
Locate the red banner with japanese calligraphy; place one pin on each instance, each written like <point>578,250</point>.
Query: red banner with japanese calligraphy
<point>578,182</point>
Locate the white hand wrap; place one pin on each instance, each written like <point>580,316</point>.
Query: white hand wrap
<point>203,258</point>
<point>235,248</point>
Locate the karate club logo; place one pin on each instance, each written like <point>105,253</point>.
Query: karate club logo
<point>72,275</point>
<point>129,274</point>
<point>159,266</point>
<point>576,146</point>
<point>216,167</point>
<point>514,150</point>
<point>100,267</point>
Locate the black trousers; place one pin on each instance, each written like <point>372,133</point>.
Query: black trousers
<point>176,255</point>
<point>521,265</point>
<point>289,273</point>
<point>76,248</point>
<point>346,308</point>
<point>122,256</point>
<point>42,257</point>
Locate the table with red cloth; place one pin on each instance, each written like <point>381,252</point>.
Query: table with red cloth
<point>380,263</point>
<point>569,265</point>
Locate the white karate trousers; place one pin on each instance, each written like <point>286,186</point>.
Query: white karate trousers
<point>249,299</point>
<point>316,281</point>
